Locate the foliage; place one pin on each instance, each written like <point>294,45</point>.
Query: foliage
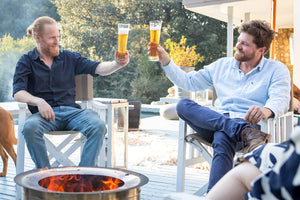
<point>10,51</point>
<point>209,35</point>
<point>90,26</point>
<point>150,83</point>
<point>17,15</point>
<point>181,54</point>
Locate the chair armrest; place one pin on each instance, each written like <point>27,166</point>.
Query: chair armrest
<point>21,142</point>
<point>100,108</point>
<point>281,128</point>
<point>98,105</point>
<point>23,109</point>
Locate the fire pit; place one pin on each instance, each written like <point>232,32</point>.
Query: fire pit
<point>87,183</point>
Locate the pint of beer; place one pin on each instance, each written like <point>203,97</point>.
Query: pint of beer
<point>155,27</point>
<point>123,30</point>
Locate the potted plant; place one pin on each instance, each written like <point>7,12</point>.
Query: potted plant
<point>184,56</point>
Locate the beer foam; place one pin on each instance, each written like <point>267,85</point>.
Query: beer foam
<point>155,28</point>
<point>123,31</point>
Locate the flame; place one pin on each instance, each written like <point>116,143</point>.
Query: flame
<point>112,183</point>
<point>80,183</point>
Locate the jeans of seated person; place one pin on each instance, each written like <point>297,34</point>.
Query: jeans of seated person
<point>67,118</point>
<point>218,129</point>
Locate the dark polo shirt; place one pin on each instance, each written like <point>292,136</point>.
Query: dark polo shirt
<point>55,85</point>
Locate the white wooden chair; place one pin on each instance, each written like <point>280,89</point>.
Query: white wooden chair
<point>55,151</point>
<point>59,153</point>
<point>192,148</point>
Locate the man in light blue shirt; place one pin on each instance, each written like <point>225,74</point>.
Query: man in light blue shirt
<point>249,88</point>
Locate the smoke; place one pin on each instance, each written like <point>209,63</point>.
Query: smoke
<point>6,77</point>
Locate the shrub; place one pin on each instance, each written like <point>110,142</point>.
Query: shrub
<point>181,54</point>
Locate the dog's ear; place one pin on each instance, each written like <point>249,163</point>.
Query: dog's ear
<point>296,92</point>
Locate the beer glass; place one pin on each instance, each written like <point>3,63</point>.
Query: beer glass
<point>123,30</point>
<point>155,27</point>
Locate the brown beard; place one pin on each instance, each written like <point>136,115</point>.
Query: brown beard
<point>53,53</point>
<point>56,53</point>
<point>239,56</point>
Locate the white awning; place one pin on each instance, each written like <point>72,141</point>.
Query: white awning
<point>257,9</point>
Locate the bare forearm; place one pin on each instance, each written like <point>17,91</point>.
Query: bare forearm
<point>24,96</point>
<point>163,56</point>
<point>44,108</point>
<point>267,113</point>
<point>107,68</point>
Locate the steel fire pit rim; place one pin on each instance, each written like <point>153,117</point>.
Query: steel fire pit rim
<point>21,178</point>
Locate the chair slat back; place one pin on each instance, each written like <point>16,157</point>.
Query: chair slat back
<point>84,87</point>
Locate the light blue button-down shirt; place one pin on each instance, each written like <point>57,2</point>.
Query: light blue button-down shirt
<point>267,85</point>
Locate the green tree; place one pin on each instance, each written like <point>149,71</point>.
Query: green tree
<point>10,52</point>
<point>17,15</point>
<point>150,83</point>
<point>208,34</point>
<point>90,28</point>
<point>118,85</point>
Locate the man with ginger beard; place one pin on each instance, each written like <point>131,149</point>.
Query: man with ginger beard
<point>249,88</point>
<point>45,80</point>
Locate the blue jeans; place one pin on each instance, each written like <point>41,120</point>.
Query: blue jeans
<point>218,129</point>
<point>67,118</point>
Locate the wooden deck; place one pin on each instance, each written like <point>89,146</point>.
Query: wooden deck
<point>162,180</point>
<point>156,139</point>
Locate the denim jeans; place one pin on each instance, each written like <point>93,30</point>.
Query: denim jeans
<point>218,129</point>
<point>67,118</point>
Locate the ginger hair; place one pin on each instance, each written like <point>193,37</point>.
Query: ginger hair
<point>37,27</point>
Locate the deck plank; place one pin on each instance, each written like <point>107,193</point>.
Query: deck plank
<point>162,180</point>
<point>162,177</point>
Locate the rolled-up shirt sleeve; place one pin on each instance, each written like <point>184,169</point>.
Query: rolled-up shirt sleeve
<point>279,91</point>
<point>192,81</point>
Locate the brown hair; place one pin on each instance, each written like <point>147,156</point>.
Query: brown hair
<point>261,31</point>
<point>37,26</point>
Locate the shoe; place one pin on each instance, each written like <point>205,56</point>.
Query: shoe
<point>253,138</point>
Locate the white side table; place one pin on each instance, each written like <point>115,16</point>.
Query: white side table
<point>112,110</point>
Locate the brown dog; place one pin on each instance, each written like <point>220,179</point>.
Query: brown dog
<point>7,139</point>
<point>296,92</point>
